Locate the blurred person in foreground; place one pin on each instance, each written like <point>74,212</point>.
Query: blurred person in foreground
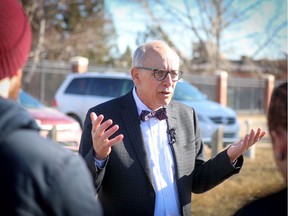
<point>37,176</point>
<point>276,203</point>
<point>148,163</point>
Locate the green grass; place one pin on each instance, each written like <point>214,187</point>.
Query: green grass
<point>258,177</point>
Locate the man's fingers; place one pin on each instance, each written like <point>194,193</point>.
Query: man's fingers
<point>98,128</point>
<point>93,116</point>
<point>115,140</point>
<point>245,143</point>
<point>262,134</point>
<point>110,131</point>
<point>102,129</point>
<point>251,138</point>
<point>95,120</point>
<point>259,135</point>
<point>101,132</point>
<point>245,139</point>
<point>238,148</point>
<point>105,135</point>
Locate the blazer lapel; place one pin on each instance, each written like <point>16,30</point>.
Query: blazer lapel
<point>177,147</point>
<point>133,136</point>
<point>177,150</point>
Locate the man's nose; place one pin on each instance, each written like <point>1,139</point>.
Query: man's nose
<point>168,80</point>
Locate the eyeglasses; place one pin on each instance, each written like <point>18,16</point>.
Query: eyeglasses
<point>161,74</point>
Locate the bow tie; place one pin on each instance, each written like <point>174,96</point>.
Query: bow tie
<point>159,114</point>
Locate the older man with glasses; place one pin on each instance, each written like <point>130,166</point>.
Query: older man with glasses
<point>144,150</point>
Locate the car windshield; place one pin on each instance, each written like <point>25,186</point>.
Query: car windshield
<point>186,92</point>
<point>28,101</point>
<point>100,86</point>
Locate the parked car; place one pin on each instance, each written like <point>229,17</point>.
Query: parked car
<point>79,92</point>
<point>210,114</point>
<point>52,122</point>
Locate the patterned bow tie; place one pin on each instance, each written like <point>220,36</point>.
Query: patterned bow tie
<point>159,114</point>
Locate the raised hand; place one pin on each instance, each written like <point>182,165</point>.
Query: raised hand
<point>238,148</point>
<point>101,134</point>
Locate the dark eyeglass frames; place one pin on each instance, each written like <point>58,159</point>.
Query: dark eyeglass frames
<point>161,74</point>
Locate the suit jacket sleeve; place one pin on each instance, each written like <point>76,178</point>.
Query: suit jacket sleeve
<point>192,167</point>
<point>208,174</point>
<point>87,152</point>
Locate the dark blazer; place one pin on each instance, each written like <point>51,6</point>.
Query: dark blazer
<point>125,185</point>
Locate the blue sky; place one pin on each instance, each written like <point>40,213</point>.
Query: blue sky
<point>242,38</point>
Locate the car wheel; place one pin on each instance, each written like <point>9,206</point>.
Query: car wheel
<point>77,119</point>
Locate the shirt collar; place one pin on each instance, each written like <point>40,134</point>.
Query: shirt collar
<point>140,105</point>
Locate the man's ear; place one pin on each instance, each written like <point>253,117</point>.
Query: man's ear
<point>135,74</point>
<point>279,139</point>
<point>15,85</point>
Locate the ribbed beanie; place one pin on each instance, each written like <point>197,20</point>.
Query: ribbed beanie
<point>15,37</point>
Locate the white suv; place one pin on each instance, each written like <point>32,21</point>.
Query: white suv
<point>80,92</point>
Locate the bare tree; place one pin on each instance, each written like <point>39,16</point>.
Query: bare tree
<point>65,28</point>
<point>206,20</point>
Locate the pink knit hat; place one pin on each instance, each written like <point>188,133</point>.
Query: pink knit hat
<point>15,37</point>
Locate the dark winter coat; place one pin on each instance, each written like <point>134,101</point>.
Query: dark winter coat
<point>39,177</point>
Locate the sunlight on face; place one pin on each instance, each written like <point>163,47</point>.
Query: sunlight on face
<point>153,93</point>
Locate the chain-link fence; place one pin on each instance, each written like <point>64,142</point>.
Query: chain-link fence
<point>243,94</point>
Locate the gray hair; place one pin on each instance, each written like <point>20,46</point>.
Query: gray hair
<point>140,53</point>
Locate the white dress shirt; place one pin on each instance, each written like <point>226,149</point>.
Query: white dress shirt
<point>161,162</point>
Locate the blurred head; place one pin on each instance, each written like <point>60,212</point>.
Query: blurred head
<point>15,43</point>
<point>155,88</point>
<point>277,124</point>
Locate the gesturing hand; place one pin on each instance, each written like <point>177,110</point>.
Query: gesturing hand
<point>100,136</point>
<point>238,148</point>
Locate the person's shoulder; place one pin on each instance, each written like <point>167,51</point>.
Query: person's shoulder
<point>180,107</point>
<point>177,104</point>
<point>184,112</point>
<point>47,168</point>
<point>124,99</point>
<point>28,144</point>
<point>40,157</point>
<point>273,204</point>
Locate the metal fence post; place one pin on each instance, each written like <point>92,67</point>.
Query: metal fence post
<point>269,86</point>
<point>53,133</point>
<point>217,141</point>
<point>222,87</point>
